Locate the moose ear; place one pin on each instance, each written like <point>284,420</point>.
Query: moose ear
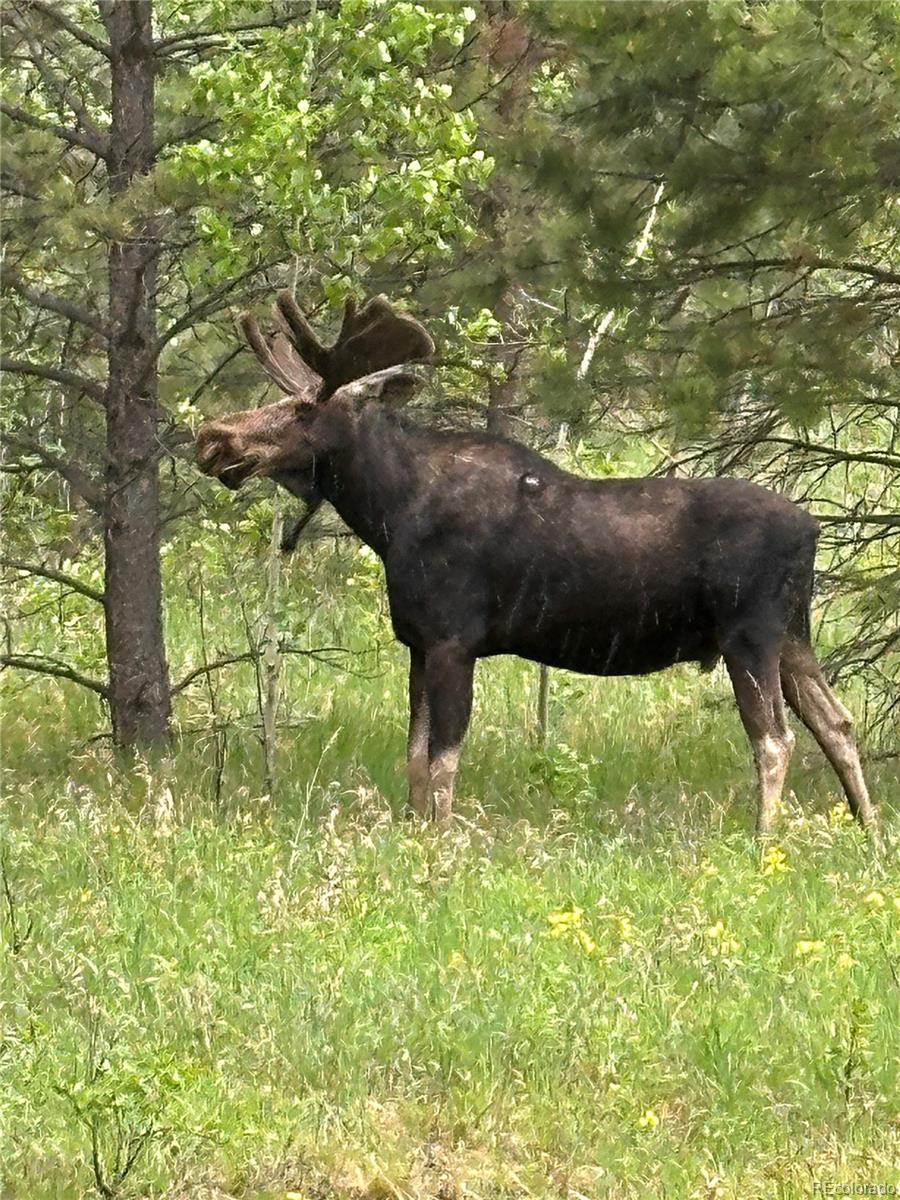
<point>394,384</point>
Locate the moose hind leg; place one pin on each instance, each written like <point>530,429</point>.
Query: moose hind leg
<point>449,672</point>
<point>828,721</point>
<point>754,677</point>
<point>417,742</point>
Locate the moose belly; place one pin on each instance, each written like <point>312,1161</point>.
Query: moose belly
<point>631,633</point>
<point>604,652</point>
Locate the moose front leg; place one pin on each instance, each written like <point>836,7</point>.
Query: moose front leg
<point>449,671</point>
<point>417,742</point>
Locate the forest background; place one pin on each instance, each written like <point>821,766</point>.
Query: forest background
<point>647,238</point>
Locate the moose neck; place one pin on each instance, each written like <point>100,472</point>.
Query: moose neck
<point>369,472</point>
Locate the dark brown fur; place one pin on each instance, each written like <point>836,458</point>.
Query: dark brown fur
<point>490,548</point>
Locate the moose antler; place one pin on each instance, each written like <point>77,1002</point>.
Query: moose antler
<point>288,315</point>
<point>371,339</point>
<point>280,361</point>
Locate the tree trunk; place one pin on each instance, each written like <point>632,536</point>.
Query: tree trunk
<point>271,652</point>
<point>505,394</point>
<point>138,674</point>
<point>512,53</point>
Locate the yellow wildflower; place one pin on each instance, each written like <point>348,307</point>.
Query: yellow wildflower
<point>564,921</point>
<point>626,929</point>
<point>648,1119</point>
<point>809,948</point>
<point>775,861</point>
<point>721,943</point>
<point>456,961</point>
<point>568,923</point>
<point>874,900</point>
<point>845,961</point>
<point>839,815</point>
<point>585,941</point>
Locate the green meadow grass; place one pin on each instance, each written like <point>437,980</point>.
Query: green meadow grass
<point>594,985</point>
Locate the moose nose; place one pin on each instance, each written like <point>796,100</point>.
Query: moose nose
<point>220,453</point>
<point>214,445</point>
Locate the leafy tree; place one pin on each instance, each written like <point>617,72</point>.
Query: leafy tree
<point>678,219</point>
<point>757,326</point>
<point>171,159</point>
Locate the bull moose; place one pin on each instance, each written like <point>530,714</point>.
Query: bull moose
<point>489,548</point>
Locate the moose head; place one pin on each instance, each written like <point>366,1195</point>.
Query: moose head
<point>284,440</point>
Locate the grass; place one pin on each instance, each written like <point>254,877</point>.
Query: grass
<point>594,985</point>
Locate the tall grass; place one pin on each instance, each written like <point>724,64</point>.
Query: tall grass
<point>263,1002</point>
<point>594,985</point>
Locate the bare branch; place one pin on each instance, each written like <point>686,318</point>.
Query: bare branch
<point>77,479</point>
<point>56,304</point>
<point>220,366</point>
<point>248,656</point>
<point>54,668</point>
<point>69,581</point>
<point>200,38</point>
<point>816,264</point>
<point>858,268</point>
<point>18,937</point>
<point>73,136</point>
<point>56,14</point>
<point>218,299</point>
<point>69,379</point>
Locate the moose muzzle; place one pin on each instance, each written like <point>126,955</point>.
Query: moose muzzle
<point>219,453</point>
